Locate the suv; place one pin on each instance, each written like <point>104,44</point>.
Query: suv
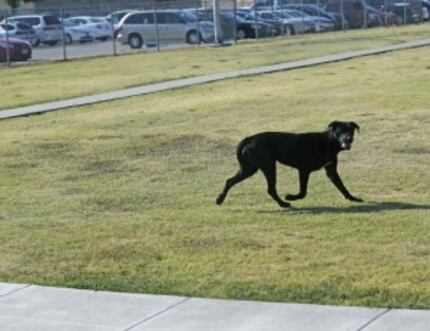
<point>48,27</point>
<point>18,30</point>
<point>145,27</point>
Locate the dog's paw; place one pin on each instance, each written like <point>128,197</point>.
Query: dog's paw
<point>290,197</point>
<point>284,204</point>
<point>219,200</point>
<point>356,199</point>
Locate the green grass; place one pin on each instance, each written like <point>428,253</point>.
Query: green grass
<point>120,196</point>
<point>27,85</point>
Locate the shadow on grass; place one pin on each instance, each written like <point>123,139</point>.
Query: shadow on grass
<point>371,207</point>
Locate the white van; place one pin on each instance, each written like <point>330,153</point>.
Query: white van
<point>144,27</point>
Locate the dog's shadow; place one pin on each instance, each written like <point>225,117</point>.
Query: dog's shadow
<point>366,207</point>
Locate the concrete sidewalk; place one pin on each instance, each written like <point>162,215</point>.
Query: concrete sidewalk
<point>180,83</point>
<point>30,307</point>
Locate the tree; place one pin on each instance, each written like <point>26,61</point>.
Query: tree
<point>13,3</point>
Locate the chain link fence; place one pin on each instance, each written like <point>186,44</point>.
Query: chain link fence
<point>121,27</point>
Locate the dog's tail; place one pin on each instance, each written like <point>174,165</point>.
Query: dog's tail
<point>241,150</point>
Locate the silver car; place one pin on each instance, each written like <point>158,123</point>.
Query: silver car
<point>48,27</point>
<point>18,30</point>
<point>146,27</point>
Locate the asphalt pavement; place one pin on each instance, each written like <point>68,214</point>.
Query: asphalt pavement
<point>93,49</point>
<point>31,307</point>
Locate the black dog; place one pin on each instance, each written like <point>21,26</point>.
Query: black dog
<point>306,152</point>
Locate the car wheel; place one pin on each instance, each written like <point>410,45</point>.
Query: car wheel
<point>52,43</point>
<point>103,38</point>
<point>193,37</point>
<point>26,53</point>
<point>240,34</point>
<point>68,39</point>
<point>135,41</point>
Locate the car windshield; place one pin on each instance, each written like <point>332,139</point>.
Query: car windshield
<point>7,27</point>
<point>33,21</point>
<point>269,16</point>
<point>23,26</point>
<point>51,20</point>
<point>189,17</point>
<point>283,15</point>
<point>96,20</point>
<point>295,14</point>
<point>70,23</point>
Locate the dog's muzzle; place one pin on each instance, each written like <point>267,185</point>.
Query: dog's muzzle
<point>345,146</point>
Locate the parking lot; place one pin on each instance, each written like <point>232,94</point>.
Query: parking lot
<point>98,48</point>
<point>42,32</point>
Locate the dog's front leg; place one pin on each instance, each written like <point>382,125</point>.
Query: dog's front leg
<point>331,171</point>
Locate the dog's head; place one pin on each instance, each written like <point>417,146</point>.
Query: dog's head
<point>343,133</point>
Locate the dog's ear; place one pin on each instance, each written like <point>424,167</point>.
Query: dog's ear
<point>355,126</point>
<point>333,125</point>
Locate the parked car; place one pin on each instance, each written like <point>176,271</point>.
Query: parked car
<point>314,10</point>
<point>276,26</point>
<point>235,26</point>
<point>115,18</point>
<point>19,30</point>
<point>321,23</point>
<point>228,22</point>
<point>352,9</point>
<point>19,50</point>
<point>379,17</point>
<point>269,29</point>
<point>144,27</point>
<point>250,29</point>
<point>98,27</point>
<point>48,27</point>
<point>76,33</point>
<point>305,23</point>
<point>410,10</point>
<point>290,25</point>
<point>301,23</point>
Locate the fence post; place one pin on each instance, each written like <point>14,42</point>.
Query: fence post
<point>63,34</point>
<point>343,15</point>
<point>114,35</point>
<point>197,22</point>
<point>255,19</point>
<point>157,32</point>
<point>303,16</point>
<point>364,14</point>
<point>7,42</point>
<point>235,21</point>
<point>319,14</point>
<point>217,23</point>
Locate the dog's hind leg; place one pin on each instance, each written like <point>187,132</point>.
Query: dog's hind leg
<point>269,171</point>
<point>246,170</point>
<point>304,177</point>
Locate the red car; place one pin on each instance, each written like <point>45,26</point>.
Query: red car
<point>19,50</point>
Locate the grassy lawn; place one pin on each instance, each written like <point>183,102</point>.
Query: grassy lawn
<point>120,196</point>
<point>27,85</point>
